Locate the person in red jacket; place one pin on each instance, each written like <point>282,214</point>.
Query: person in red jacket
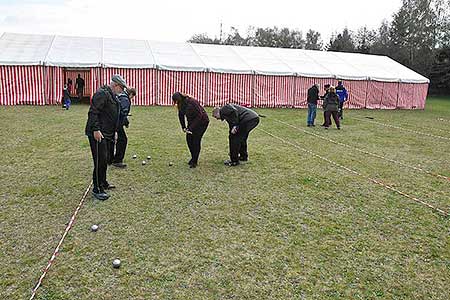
<point>190,109</point>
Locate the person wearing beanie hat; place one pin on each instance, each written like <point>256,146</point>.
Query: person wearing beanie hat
<point>198,122</point>
<point>101,127</point>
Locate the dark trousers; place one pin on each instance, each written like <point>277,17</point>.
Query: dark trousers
<point>324,118</point>
<point>194,142</point>
<point>335,115</point>
<point>110,149</point>
<point>341,110</point>
<point>99,156</point>
<point>121,145</point>
<point>238,141</point>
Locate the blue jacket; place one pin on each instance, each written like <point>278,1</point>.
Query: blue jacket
<point>342,93</point>
<point>125,106</point>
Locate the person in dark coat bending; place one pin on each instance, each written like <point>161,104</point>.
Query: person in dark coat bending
<point>190,109</point>
<point>101,127</point>
<point>241,121</point>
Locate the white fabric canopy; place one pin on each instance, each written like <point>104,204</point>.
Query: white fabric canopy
<point>64,51</point>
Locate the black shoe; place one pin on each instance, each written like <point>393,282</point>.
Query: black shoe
<point>119,165</point>
<point>101,195</point>
<point>230,163</point>
<point>243,158</point>
<point>309,125</point>
<point>312,125</point>
<point>339,128</point>
<point>326,127</point>
<point>193,165</point>
<point>190,162</point>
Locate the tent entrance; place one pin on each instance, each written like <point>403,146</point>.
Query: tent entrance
<point>79,86</point>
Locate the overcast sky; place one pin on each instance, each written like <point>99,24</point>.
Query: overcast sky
<point>168,20</point>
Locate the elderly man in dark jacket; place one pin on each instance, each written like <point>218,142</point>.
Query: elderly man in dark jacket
<point>241,121</point>
<point>101,127</point>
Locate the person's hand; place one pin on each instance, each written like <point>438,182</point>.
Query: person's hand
<point>98,136</point>
<point>234,130</point>
<point>115,137</point>
<point>188,131</point>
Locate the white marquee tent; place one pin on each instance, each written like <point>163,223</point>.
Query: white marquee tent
<point>35,67</point>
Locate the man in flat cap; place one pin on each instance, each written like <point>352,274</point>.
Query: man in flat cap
<point>241,121</point>
<point>101,127</point>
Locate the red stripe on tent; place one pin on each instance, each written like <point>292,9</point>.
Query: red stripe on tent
<point>374,94</point>
<point>191,83</point>
<point>140,79</point>
<point>22,85</point>
<point>44,85</point>
<point>218,93</point>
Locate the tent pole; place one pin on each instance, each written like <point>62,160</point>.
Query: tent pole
<point>252,101</point>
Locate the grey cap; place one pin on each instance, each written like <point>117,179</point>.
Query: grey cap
<point>119,80</point>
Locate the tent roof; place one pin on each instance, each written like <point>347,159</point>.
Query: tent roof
<point>68,51</point>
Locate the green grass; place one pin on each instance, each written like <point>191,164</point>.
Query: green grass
<point>284,226</point>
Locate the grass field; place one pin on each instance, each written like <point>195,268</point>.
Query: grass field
<point>286,225</point>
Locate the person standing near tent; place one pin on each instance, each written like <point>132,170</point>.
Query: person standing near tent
<point>331,106</point>
<point>326,88</point>
<point>122,139</point>
<point>313,96</point>
<point>241,121</point>
<point>79,86</point>
<point>341,91</point>
<point>198,121</point>
<point>101,126</point>
<point>66,97</point>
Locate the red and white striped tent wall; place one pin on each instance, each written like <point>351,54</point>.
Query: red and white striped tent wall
<point>34,68</point>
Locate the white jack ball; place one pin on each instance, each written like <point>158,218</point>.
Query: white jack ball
<point>116,263</point>
<point>94,228</point>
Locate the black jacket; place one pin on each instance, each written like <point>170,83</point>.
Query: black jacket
<point>313,95</point>
<point>194,113</point>
<point>103,113</point>
<point>237,115</point>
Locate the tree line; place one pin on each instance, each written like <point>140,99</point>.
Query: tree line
<point>418,36</point>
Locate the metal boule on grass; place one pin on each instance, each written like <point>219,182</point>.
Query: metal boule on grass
<point>149,157</point>
<point>134,156</point>
<point>144,162</point>
<point>94,228</point>
<point>116,263</point>
<point>170,164</point>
